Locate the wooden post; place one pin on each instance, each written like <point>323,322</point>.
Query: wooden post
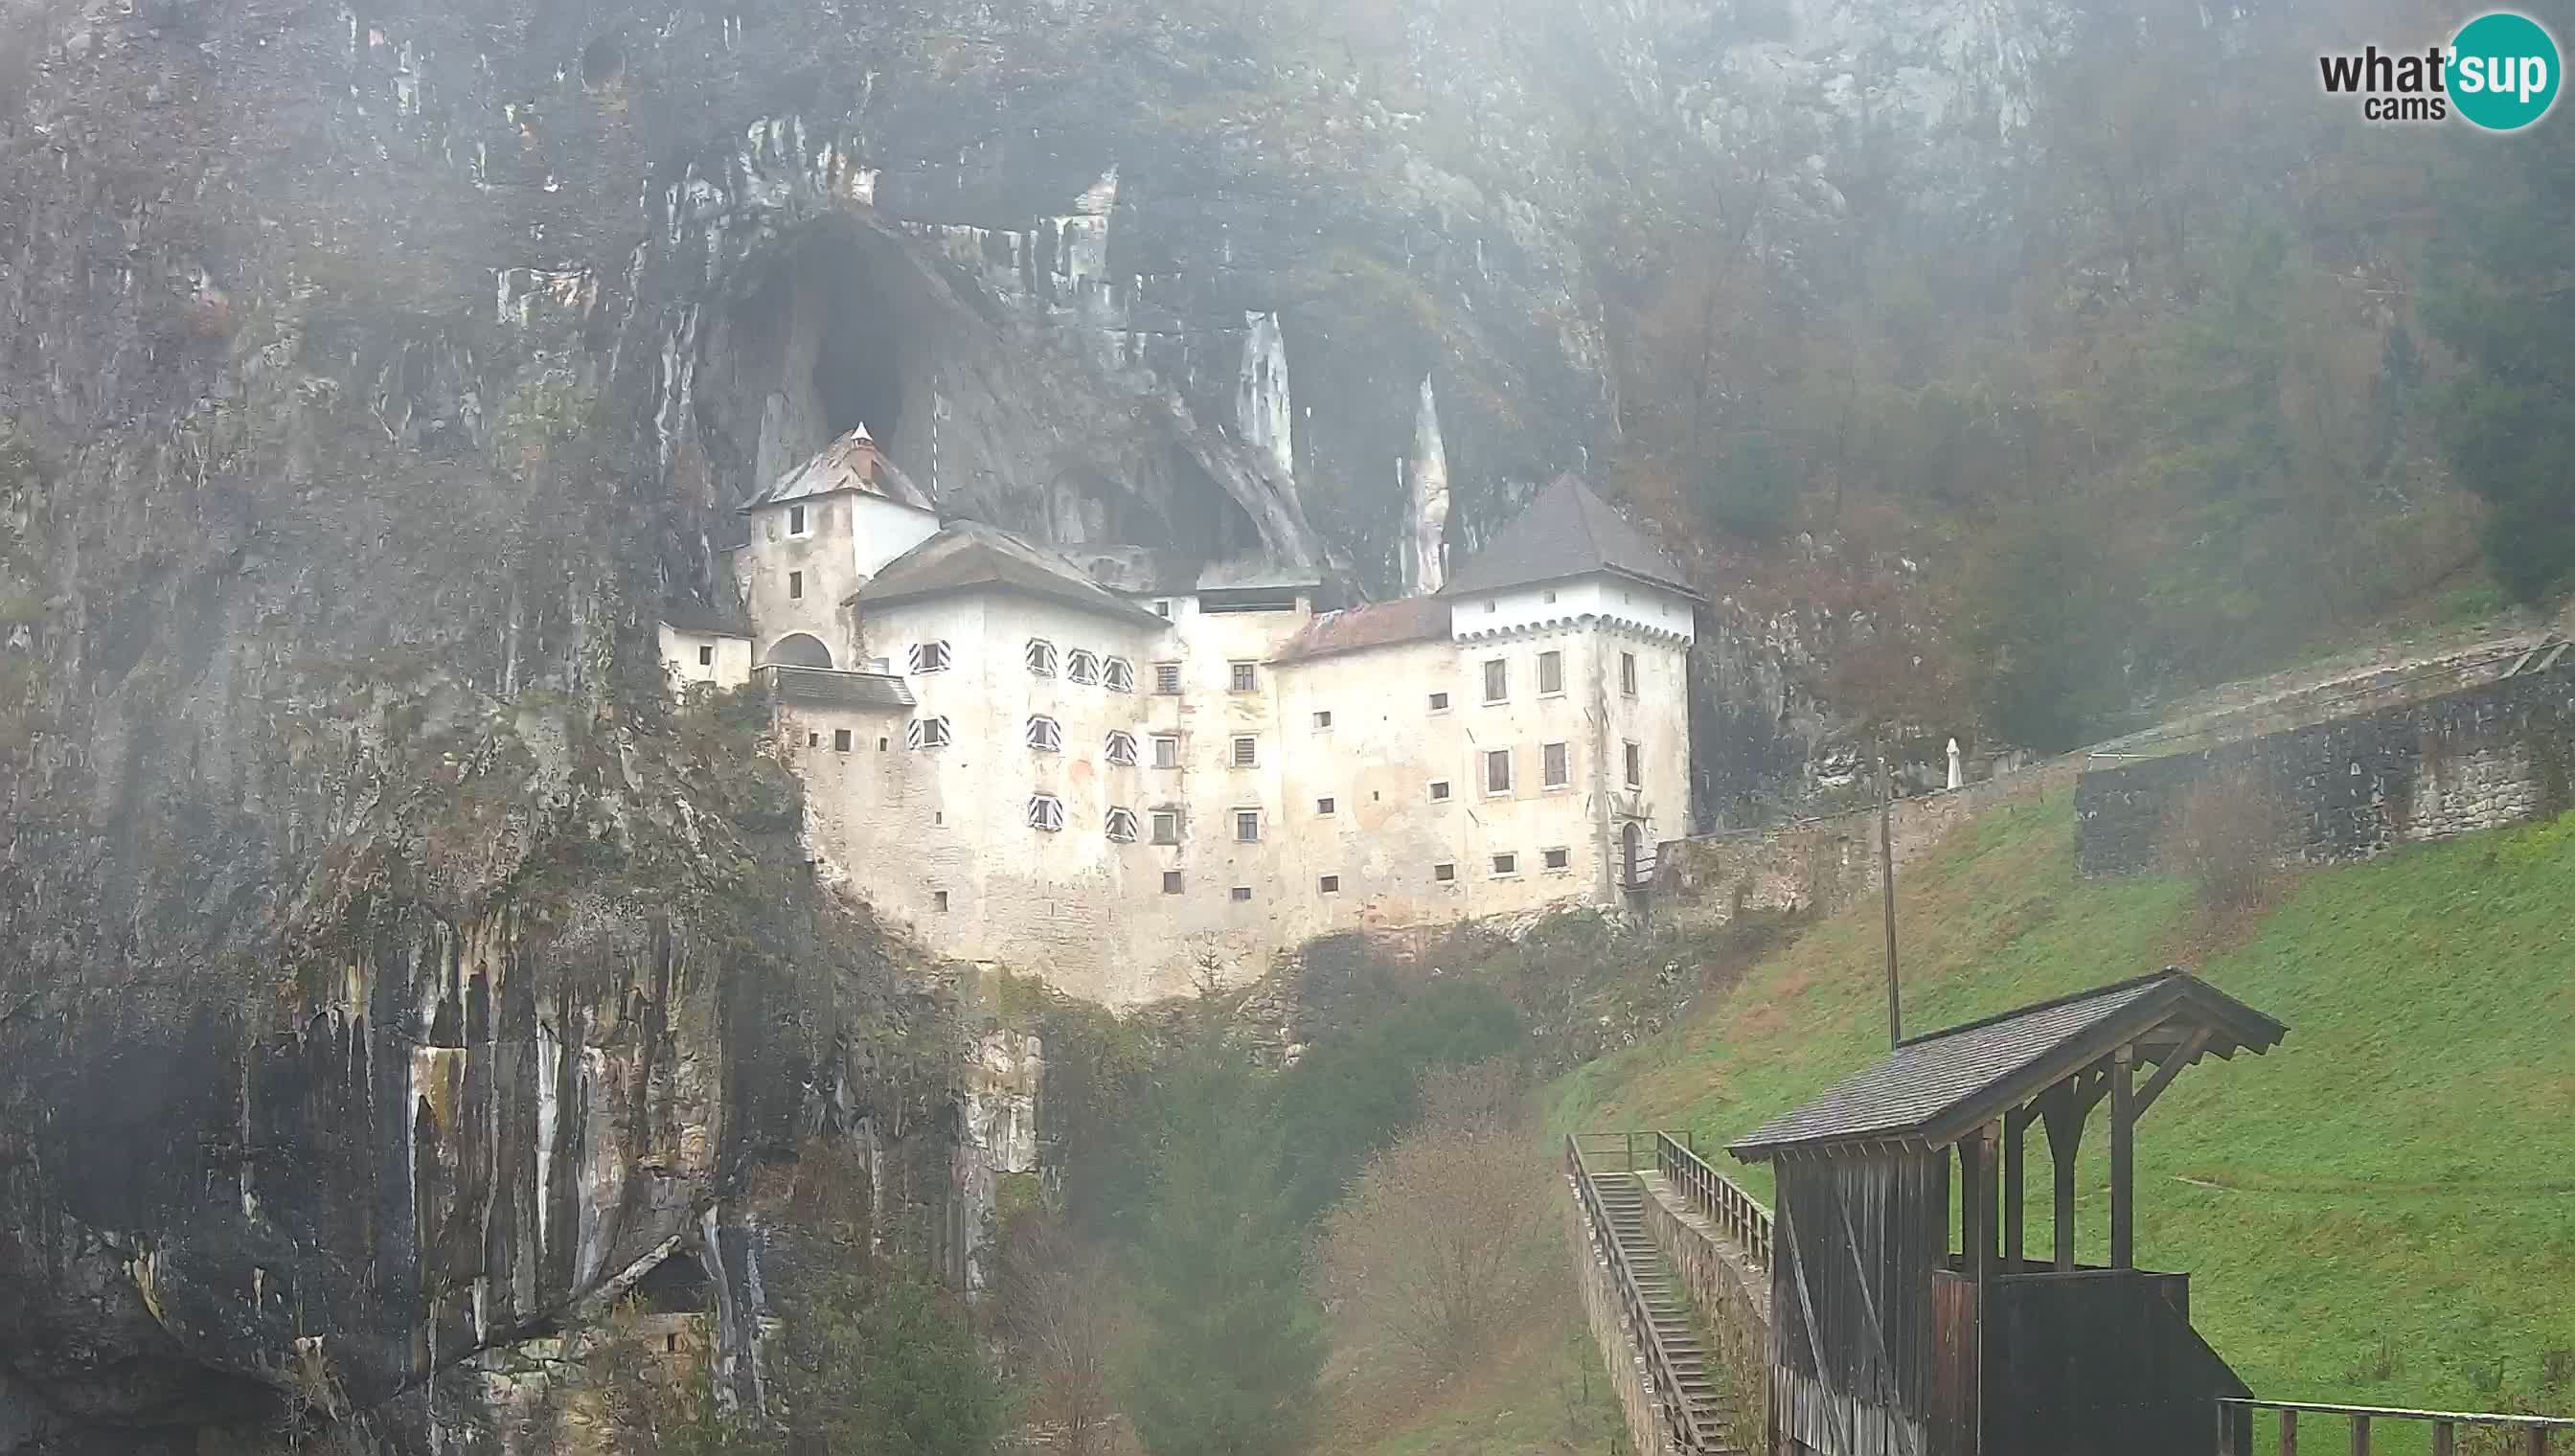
<point>1887,879</point>
<point>1978,1195</point>
<point>2288,1433</point>
<point>2538,1436</point>
<point>2064,1136</point>
<point>1971,1220</point>
<point>2360,1436</point>
<point>2445,1439</point>
<point>2123,1158</point>
<point>2015,1174</point>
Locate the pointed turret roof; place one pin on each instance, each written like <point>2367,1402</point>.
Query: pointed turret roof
<point>852,463</point>
<point>1566,531</point>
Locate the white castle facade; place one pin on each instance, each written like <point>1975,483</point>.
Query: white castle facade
<point>1112,779</point>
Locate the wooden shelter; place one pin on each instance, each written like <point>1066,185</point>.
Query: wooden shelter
<point>1884,1341</point>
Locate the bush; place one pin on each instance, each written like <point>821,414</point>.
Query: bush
<point>2228,836</point>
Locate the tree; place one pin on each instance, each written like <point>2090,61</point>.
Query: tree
<point>1431,1251</point>
<point>2041,627</point>
<point>1062,1312</point>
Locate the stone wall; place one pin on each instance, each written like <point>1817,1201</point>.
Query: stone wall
<point>1825,864</point>
<point>1647,1434</point>
<point>2477,759</point>
<point>1731,1294</point>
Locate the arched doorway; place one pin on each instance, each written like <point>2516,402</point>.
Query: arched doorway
<point>1632,849</point>
<point>799,649</point>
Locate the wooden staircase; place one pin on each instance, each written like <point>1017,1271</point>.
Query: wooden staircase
<point>1706,1396</point>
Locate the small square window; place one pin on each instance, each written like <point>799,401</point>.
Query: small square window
<point>1507,864</point>
<point>813,741</point>
<point>706,657</point>
<point>1438,789</point>
<point>1242,893</point>
<point>1438,702</point>
<point>928,657</point>
<point>1171,881</point>
<point>1323,719</point>
<point>1122,749</point>
<point>1246,752</point>
<point>1330,884</point>
<point>1498,770</point>
<point>840,740</point>
<point>938,898</point>
<point>796,521</point>
<point>1550,596</point>
<point>670,1344</point>
<point>1498,679</point>
<point>1559,859</point>
<point>1041,658</point>
<point>1083,666</point>
<point>1636,765</point>
<point>1492,605</point>
<point>795,584</point>
<point>1551,674</point>
<point>1247,826</point>
<point>1444,874</point>
<point>1243,676</point>
<point>1627,673</point>
<point>925,733</point>
<point>1559,765</point>
<point>1045,811</point>
<point>1166,827</point>
<point>1120,825</point>
<point>1118,675</point>
<point>1324,808</point>
<point>1166,678</point>
<point>882,743</point>
<point>1162,606</point>
<point>1167,752</point>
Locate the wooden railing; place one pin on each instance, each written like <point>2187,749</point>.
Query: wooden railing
<point>1659,1366</point>
<point>1714,1197</point>
<point>2235,1420</point>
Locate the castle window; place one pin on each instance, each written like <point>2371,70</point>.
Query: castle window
<point>1121,827</point>
<point>1166,751</point>
<point>928,657</point>
<point>1438,789</point>
<point>1550,597</point>
<point>1498,679</point>
<point>1323,719</point>
<point>1242,677</point>
<point>1636,765</point>
<point>1120,674</point>
<point>1166,678</point>
<point>1045,811</point>
<point>1324,808</point>
<point>939,901</point>
<point>1558,764</point>
<point>1438,702</point>
<point>1551,674</point>
<point>1498,770</point>
<point>1330,884</point>
<point>1558,858</point>
<point>706,657</point>
<point>1122,749</point>
<point>1041,658</point>
<point>1246,752</point>
<point>881,745</point>
<point>1627,673</point>
<point>670,1344</point>
<point>1247,827</point>
<point>1162,607</point>
<point>1171,881</point>
<point>1507,864</point>
<point>813,741</point>
<point>1444,874</point>
<point>1044,736</point>
<point>925,733</point>
<point>1242,894</point>
<point>795,584</point>
<point>840,740</point>
<point>796,523</point>
<point>1166,827</point>
<point>1081,666</point>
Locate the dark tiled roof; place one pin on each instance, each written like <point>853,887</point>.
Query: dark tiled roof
<point>1566,531</point>
<point>851,463</point>
<point>1382,623</point>
<point>825,688</point>
<point>1937,1087</point>
<point>967,555</point>
<point>698,616</point>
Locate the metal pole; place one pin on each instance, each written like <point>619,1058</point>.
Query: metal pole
<point>1887,879</point>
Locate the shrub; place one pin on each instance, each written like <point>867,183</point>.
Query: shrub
<point>2228,836</point>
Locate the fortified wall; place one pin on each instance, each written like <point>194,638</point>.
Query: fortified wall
<point>2476,759</point>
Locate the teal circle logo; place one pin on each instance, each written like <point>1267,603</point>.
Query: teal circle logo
<point>2503,71</point>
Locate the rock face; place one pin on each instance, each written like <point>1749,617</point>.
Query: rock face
<point>387,975</point>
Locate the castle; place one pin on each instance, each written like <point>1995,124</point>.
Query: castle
<point>1112,772</point>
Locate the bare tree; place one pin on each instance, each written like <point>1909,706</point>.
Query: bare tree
<point>1427,1251</point>
<point>1061,1317</point>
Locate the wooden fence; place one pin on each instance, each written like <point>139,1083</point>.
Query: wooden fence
<point>1714,1197</point>
<point>2235,1421</point>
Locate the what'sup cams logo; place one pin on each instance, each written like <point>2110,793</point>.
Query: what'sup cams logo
<point>2500,73</point>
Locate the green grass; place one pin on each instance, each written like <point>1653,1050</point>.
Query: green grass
<point>1546,1396</point>
<point>2380,1211</point>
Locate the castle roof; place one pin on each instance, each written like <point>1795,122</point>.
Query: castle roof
<point>1567,531</point>
<point>1377,624</point>
<point>849,465</point>
<point>969,556</point>
<point>698,616</point>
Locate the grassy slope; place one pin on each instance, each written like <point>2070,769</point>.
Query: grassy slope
<point>2382,1210</point>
